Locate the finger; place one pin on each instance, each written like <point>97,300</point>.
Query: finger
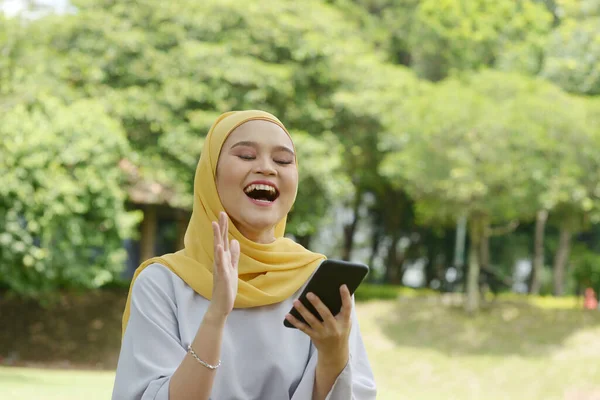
<point>309,317</point>
<point>216,234</point>
<point>235,253</point>
<point>300,325</point>
<point>224,231</point>
<point>218,259</point>
<point>346,310</point>
<point>321,308</point>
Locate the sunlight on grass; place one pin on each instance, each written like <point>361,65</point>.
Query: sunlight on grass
<point>547,302</point>
<point>421,349</point>
<point>42,384</point>
<point>426,348</point>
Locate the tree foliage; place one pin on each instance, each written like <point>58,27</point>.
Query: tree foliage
<point>573,56</point>
<point>61,198</point>
<point>391,100</point>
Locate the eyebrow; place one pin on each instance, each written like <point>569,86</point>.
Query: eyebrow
<point>255,145</point>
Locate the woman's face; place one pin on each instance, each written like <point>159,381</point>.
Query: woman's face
<point>257,178</point>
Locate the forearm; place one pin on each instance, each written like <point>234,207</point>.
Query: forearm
<point>327,371</point>
<point>193,380</point>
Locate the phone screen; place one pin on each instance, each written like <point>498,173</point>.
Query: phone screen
<point>326,283</point>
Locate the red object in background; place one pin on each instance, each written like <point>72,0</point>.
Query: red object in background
<point>590,301</point>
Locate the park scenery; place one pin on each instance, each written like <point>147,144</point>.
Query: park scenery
<point>453,146</point>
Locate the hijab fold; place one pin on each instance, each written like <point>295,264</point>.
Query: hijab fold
<point>268,273</point>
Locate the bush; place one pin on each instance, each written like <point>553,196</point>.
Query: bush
<point>369,291</point>
<point>586,271</point>
<point>62,213</point>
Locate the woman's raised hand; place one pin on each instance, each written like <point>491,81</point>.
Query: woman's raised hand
<point>225,269</point>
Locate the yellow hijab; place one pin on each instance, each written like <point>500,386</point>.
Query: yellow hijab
<point>268,273</point>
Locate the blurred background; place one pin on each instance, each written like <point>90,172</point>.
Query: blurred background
<point>452,145</point>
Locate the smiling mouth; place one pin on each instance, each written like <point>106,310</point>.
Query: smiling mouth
<point>262,193</point>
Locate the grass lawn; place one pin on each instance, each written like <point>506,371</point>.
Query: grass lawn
<point>424,348</point>
<point>47,384</point>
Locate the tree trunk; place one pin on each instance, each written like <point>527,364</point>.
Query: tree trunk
<point>459,244</point>
<point>391,266</point>
<point>475,235</point>
<point>431,265</point>
<point>350,229</point>
<point>399,266</point>
<point>484,265</point>
<point>149,228</point>
<point>484,250</point>
<point>434,261</point>
<point>561,259</point>
<point>538,252</point>
<point>375,242</point>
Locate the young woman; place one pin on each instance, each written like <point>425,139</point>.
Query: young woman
<point>207,322</point>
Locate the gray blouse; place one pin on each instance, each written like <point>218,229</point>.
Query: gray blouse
<point>261,359</point>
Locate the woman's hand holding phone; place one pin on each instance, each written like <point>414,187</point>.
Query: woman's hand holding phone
<point>330,337</point>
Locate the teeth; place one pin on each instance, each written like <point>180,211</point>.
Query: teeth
<point>259,187</point>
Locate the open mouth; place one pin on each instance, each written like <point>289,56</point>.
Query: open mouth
<point>261,192</point>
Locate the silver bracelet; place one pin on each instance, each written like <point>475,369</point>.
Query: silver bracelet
<point>207,365</point>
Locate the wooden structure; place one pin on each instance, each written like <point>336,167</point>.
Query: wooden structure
<point>163,227</point>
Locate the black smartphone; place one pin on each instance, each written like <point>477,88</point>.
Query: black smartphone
<point>326,282</point>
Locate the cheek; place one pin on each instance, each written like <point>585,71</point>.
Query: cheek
<point>291,182</point>
<point>226,181</point>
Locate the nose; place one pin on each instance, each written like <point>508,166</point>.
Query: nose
<point>264,166</point>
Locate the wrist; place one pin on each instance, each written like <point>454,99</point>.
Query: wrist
<point>334,361</point>
<point>214,317</point>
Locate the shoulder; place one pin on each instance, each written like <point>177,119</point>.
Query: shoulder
<point>153,301</point>
<point>155,280</point>
<point>154,272</point>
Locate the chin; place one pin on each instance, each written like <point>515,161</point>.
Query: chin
<point>257,221</point>
<point>259,224</point>
<point>252,218</point>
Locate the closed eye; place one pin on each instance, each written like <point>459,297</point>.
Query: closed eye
<point>243,157</point>
<point>283,162</point>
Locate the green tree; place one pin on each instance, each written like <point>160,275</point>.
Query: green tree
<point>61,198</point>
<point>568,188</point>
<point>436,38</point>
<point>366,113</point>
<point>387,23</point>
<point>565,192</point>
<point>564,10</point>
<point>586,267</point>
<point>322,184</point>
<point>455,158</point>
<point>573,56</point>
<point>167,70</point>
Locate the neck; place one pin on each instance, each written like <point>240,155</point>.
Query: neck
<point>262,237</point>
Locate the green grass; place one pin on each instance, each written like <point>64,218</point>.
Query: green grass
<point>370,291</point>
<point>47,384</point>
<point>426,348</point>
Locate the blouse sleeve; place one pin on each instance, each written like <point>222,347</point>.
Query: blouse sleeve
<point>356,380</point>
<point>151,349</point>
